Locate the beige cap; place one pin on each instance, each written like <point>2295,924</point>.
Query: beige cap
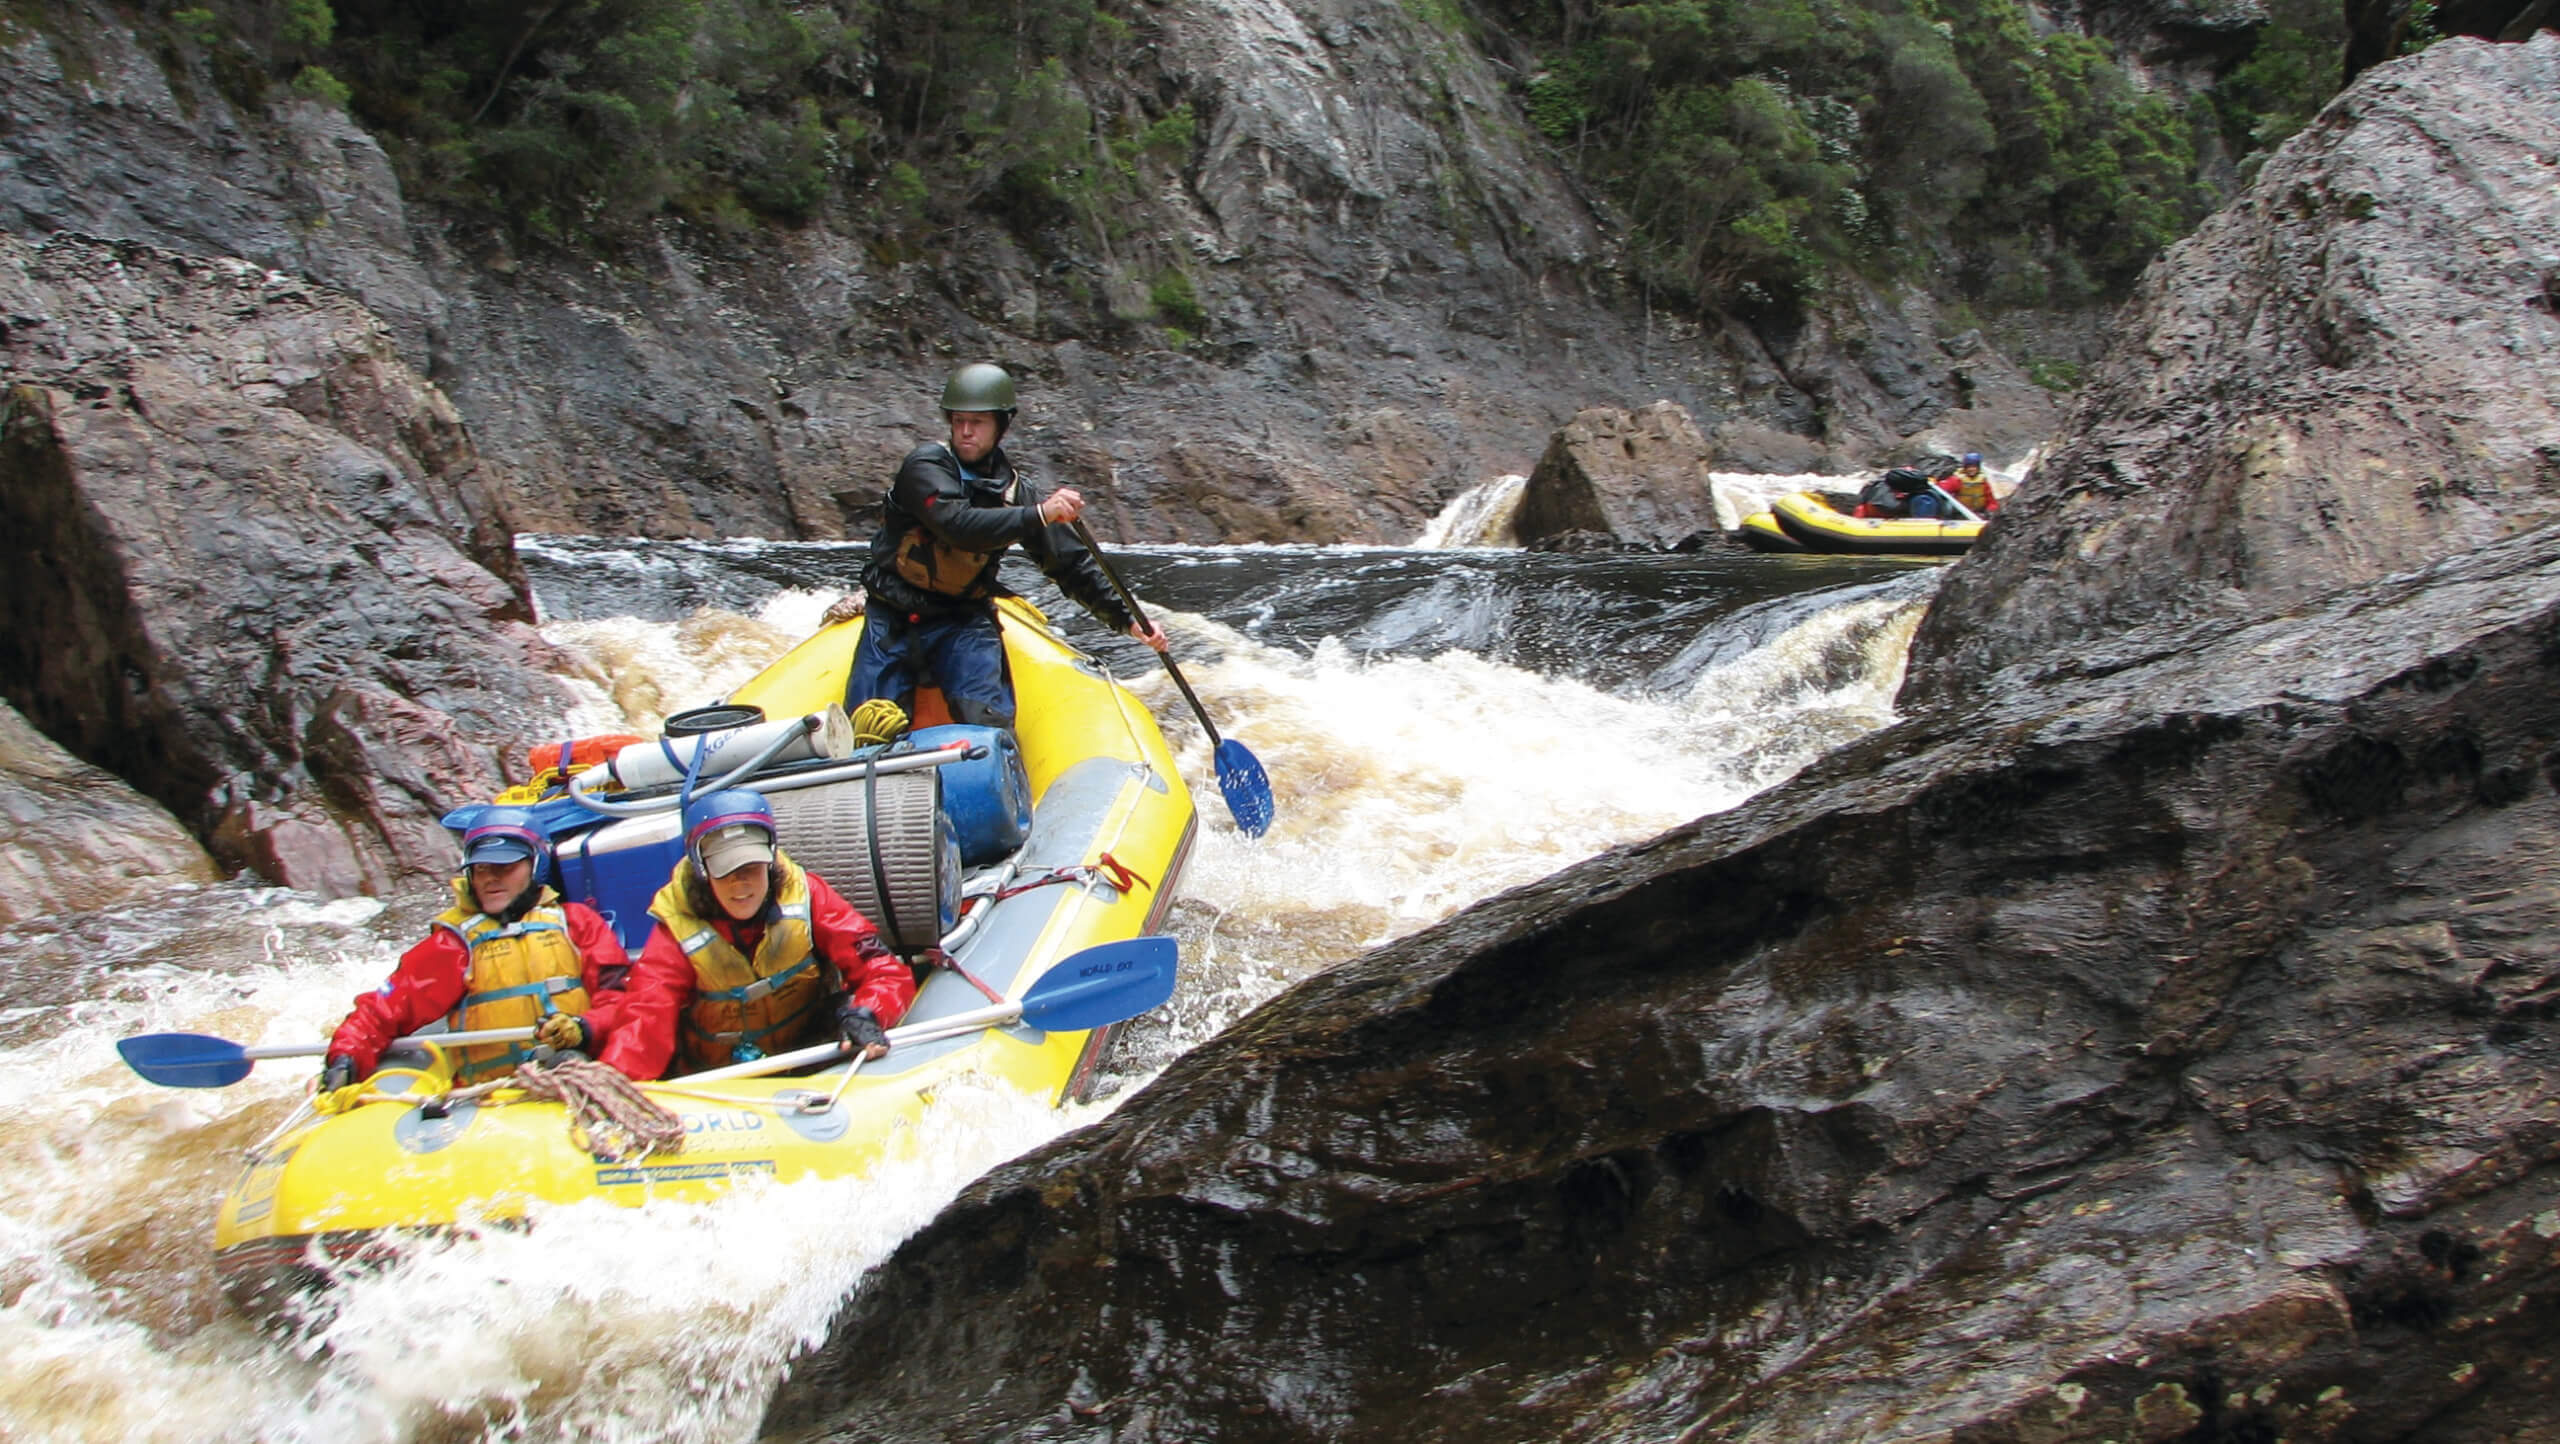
<point>730,848</point>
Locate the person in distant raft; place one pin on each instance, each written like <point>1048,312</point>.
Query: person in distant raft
<point>953,510</point>
<point>752,955</point>
<point>1968,485</point>
<point>508,954</point>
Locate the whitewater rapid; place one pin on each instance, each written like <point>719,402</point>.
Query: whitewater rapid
<point>1408,786</point>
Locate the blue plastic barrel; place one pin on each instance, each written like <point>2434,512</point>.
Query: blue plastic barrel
<point>988,799</point>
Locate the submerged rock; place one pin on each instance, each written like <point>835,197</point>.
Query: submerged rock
<point>73,838</point>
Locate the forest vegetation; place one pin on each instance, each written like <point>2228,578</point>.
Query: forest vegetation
<point>1758,150</point>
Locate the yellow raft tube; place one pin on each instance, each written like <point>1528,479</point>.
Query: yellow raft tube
<point>1112,826</point>
<point>1805,522</point>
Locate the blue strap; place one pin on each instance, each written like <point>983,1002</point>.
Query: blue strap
<point>762,987</point>
<point>692,774</point>
<point>544,989</point>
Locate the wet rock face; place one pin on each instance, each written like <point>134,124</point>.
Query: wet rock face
<point>1401,296</point>
<point>1636,477</point>
<point>247,563</point>
<point>2161,1051</point>
<point>102,138</point>
<point>73,838</point>
<point>2353,371</point>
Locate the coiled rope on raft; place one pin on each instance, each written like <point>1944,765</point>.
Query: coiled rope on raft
<point>608,1114</point>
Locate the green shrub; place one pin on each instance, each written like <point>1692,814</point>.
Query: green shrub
<point>316,83</point>
<point>1176,302</point>
<point>2053,375</point>
<point>308,24</point>
<point>2291,71</point>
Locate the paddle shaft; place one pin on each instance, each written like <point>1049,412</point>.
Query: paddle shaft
<point>1129,599</point>
<point>1091,988</point>
<point>449,1040</point>
<point>1969,513</point>
<point>993,1015</point>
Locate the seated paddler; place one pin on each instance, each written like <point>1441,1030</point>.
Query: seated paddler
<point>508,953</point>
<point>752,955</point>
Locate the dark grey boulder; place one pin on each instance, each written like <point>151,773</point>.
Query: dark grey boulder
<point>1637,477</point>
<point>2349,373</point>
<point>2149,1038</point>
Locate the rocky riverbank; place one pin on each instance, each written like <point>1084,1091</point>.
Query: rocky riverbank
<point>2150,1038</point>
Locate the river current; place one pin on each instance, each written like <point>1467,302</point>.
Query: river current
<point>1439,723</point>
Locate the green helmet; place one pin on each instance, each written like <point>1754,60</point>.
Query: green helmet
<point>979,387</point>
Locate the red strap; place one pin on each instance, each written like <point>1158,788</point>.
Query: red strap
<point>1121,877</point>
<point>940,959</point>
<point>1113,869</point>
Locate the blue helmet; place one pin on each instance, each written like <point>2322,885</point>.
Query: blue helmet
<point>727,830</point>
<point>504,834</point>
<point>1973,458</point>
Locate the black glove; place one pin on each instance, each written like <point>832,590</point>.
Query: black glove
<point>567,1033</point>
<point>859,1027</point>
<point>340,1072</point>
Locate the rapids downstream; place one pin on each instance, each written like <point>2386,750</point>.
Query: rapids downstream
<point>1439,723</point>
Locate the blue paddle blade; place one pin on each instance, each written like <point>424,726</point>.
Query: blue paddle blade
<point>185,1060</point>
<point>1248,791</point>
<point>1103,984</point>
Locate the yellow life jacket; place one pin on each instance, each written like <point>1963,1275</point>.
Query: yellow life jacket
<point>1974,491</point>
<point>745,1008</point>
<point>519,974</point>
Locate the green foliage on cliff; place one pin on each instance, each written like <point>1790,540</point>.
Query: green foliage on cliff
<point>2290,73</point>
<point>1763,145</point>
<point>1758,147</point>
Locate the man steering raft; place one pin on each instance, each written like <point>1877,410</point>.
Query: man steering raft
<point>752,955</point>
<point>953,511</point>
<point>508,954</point>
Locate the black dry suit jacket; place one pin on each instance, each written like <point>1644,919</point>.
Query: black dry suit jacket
<point>945,530</point>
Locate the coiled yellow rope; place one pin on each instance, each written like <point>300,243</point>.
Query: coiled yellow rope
<point>878,720</point>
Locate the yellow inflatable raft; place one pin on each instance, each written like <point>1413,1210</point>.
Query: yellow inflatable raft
<point>1804,521</point>
<point>1111,824</point>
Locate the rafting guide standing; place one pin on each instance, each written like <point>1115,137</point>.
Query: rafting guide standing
<point>953,510</point>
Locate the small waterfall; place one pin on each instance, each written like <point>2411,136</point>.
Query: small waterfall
<point>1479,517</point>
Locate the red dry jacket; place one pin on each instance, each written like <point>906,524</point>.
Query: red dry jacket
<point>643,1036</point>
<point>430,978</point>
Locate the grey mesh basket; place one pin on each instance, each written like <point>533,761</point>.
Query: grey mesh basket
<point>911,890</point>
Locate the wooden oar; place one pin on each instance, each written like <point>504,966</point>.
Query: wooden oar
<point>198,1060</point>
<point>1240,778</point>
<point>1102,984</point>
